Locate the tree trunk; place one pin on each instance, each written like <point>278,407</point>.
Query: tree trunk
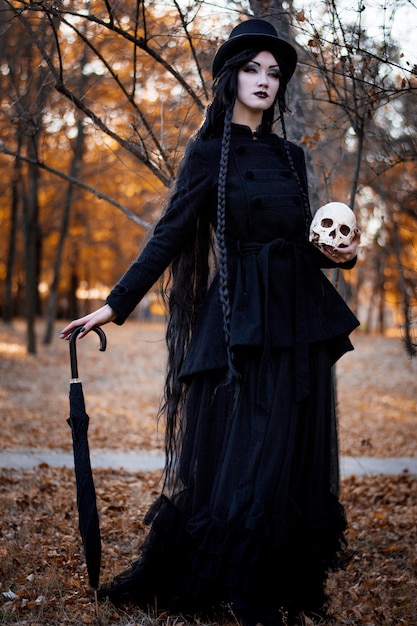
<point>295,121</point>
<point>31,258</point>
<point>11,252</point>
<point>73,307</point>
<point>409,344</point>
<point>53,296</point>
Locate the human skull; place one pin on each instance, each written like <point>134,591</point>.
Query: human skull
<point>333,225</point>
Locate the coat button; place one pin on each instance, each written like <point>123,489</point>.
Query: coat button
<point>240,150</point>
<point>296,200</point>
<point>249,175</point>
<point>287,174</point>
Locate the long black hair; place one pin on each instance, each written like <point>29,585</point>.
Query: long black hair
<point>190,272</point>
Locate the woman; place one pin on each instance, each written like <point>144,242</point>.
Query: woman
<point>249,517</point>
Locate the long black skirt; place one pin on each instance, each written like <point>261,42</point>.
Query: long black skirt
<point>252,519</point>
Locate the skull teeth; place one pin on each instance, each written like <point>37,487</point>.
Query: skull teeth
<point>333,225</point>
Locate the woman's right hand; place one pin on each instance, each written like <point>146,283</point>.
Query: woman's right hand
<point>101,316</point>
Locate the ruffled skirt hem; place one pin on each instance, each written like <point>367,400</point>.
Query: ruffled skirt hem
<point>253,521</point>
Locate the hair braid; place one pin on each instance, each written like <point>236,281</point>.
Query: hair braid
<point>221,238</point>
<point>307,214</point>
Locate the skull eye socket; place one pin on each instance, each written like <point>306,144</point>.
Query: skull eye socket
<point>344,229</point>
<point>327,222</point>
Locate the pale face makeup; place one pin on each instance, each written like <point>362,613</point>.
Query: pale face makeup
<point>257,87</point>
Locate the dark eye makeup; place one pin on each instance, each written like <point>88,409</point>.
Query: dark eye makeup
<point>275,72</point>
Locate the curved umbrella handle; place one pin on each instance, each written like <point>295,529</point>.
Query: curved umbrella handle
<point>73,352</point>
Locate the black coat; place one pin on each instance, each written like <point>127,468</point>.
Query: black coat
<point>280,297</point>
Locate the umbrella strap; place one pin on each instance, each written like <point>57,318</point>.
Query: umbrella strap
<point>75,380</point>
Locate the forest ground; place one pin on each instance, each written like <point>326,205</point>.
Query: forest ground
<point>42,570</point>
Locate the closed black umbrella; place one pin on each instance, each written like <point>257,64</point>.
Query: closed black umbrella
<point>86,494</point>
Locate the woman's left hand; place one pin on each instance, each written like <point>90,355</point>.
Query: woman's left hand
<point>342,255</point>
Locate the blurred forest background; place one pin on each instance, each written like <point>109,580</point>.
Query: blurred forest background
<point>99,98</point>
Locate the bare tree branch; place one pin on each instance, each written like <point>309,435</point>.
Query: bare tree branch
<point>79,183</point>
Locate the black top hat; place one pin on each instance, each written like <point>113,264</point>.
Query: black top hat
<point>256,34</point>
